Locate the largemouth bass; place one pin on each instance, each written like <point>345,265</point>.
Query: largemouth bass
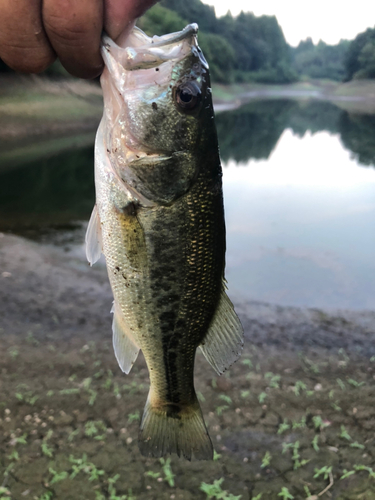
<point>159,221</point>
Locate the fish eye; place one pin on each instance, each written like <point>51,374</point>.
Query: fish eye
<point>187,96</point>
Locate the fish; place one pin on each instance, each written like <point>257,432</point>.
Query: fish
<point>159,221</point>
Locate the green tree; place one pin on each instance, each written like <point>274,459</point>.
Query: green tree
<point>159,20</point>
<point>321,60</point>
<point>359,61</point>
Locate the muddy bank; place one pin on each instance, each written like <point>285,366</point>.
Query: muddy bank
<point>295,414</point>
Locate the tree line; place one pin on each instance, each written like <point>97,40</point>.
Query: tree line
<point>247,48</point>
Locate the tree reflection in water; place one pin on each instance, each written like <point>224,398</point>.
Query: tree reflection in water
<point>55,191</point>
<point>252,131</point>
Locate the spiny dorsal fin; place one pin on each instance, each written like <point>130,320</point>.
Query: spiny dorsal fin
<point>223,342</point>
<point>126,350</point>
<point>93,238</point>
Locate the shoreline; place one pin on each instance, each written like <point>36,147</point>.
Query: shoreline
<point>65,398</point>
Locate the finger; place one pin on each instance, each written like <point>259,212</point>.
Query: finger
<point>74,28</point>
<point>23,42</point>
<point>119,15</point>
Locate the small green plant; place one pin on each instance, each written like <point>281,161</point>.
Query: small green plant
<point>370,471</point>
<point>168,473</point>
<point>132,388</point>
<point>266,460</point>
<point>343,354</point>
<point>93,396</point>
<point>314,367</point>
<point>325,471</point>
<point>133,417</point>
<point>217,456</point>
<point>354,383</point>
<point>21,439</point>
<point>298,387</point>
<point>258,497</point>
<point>247,362</point>
<point>107,384</point>
<point>153,474</point>
<point>283,427</point>
<point>262,397</point>
<point>86,383</point>
<point>284,493</point>
<point>14,456</point>
<point>13,352</point>
<point>99,374</point>
<point>116,390</point>
<point>299,425</point>
<point>347,473</point>
<point>112,489</point>
<point>295,456</point>
<point>68,392</point>
<point>314,443</point>
<point>30,339</point>
<point>46,450</point>
<point>46,496</point>
<point>82,465</point>
<point>225,398</point>
<point>245,394</point>
<point>92,429</point>
<point>220,409</point>
<point>4,493</point>
<point>319,423</point>
<point>72,435</point>
<point>357,445</point>
<point>274,380</point>
<point>344,434</point>
<point>57,476</point>
<point>307,492</point>
<point>200,397</point>
<point>26,397</point>
<point>214,491</point>
<point>341,384</point>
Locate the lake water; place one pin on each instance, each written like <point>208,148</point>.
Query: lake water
<point>299,187</point>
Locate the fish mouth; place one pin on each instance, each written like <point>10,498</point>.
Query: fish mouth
<point>161,41</point>
<point>139,51</point>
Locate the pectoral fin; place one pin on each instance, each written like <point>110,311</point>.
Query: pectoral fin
<point>223,342</point>
<point>126,350</point>
<point>93,238</point>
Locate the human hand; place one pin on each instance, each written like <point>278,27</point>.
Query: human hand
<point>34,32</point>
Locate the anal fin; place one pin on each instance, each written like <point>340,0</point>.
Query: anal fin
<point>126,350</point>
<point>223,342</point>
<point>93,238</point>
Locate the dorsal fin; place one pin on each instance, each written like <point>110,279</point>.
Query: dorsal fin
<point>223,342</point>
<point>126,350</point>
<point>93,238</point>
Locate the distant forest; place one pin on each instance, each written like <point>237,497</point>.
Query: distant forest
<point>246,48</point>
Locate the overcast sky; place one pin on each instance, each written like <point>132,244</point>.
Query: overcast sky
<point>328,20</point>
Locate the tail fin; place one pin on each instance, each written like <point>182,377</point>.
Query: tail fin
<point>172,429</point>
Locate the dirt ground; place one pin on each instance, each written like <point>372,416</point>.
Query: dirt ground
<point>294,418</point>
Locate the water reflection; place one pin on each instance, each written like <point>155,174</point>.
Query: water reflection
<point>52,192</point>
<point>253,130</point>
<point>301,225</point>
<point>300,210</point>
